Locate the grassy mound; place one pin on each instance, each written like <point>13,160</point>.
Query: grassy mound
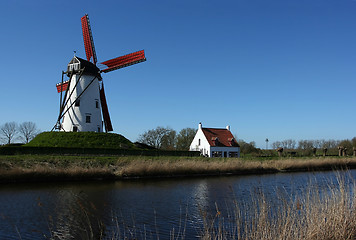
<point>81,140</point>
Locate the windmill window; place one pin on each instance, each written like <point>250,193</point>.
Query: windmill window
<point>77,103</point>
<point>73,66</point>
<point>97,103</point>
<point>87,119</point>
<point>199,142</point>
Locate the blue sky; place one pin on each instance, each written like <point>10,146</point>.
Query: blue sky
<point>279,69</point>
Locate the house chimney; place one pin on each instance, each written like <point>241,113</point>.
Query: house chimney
<point>200,126</point>
<point>228,127</point>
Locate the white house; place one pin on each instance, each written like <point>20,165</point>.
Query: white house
<point>215,142</point>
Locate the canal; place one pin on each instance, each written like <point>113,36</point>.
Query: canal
<point>140,209</point>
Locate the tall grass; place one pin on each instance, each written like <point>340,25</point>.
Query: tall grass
<point>190,166</point>
<point>315,214</point>
<point>37,167</point>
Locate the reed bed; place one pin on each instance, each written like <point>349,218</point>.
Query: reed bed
<point>315,214</point>
<point>205,166</point>
<point>39,167</point>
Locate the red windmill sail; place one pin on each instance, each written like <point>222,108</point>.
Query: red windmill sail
<point>105,110</point>
<point>88,40</point>
<point>61,87</point>
<point>124,61</point>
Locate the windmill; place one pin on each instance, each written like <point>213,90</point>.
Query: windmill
<point>84,95</point>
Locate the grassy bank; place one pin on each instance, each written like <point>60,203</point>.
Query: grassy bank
<point>81,140</point>
<point>49,167</point>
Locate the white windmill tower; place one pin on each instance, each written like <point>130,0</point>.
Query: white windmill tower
<point>84,99</point>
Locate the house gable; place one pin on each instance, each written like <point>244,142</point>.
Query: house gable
<point>199,141</point>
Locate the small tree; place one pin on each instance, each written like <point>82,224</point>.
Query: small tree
<point>185,138</point>
<point>8,132</point>
<point>246,148</point>
<point>28,131</point>
<point>353,142</point>
<point>169,140</point>
<point>347,145</point>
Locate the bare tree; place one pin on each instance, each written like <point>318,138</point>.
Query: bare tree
<point>329,144</point>
<point>169,140</point>
<point>288,144</point>
<point>28,131</point>
<point>161,138</point>
<point>318,143</point>
<point>292,144</point>
<point>8,132</point>
<point>276,144</point>
<point>305,144</point>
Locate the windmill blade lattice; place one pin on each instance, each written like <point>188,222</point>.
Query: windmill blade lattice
<point>88,40</point>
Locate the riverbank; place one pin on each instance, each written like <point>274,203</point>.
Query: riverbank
<point>25,168</point>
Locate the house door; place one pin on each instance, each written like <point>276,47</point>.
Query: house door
<point>225,154</point>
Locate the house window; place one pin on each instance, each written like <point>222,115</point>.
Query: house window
<point>217,153</point>
<point>87,119</point>
<point>75,129</point>
<point>215,141</point>
<point>96,103</point>
<point>233,154</point>
<point>77,103</point>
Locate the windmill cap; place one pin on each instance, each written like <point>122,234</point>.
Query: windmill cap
<point>89,68</point>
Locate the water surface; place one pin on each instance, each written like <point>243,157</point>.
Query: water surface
<point>139,208</point>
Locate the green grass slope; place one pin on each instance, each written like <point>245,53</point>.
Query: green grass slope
<point>81,140</point>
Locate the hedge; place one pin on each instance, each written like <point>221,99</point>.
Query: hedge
<point>18,150</point>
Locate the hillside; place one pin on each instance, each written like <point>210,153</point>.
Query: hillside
<point>81,140</point>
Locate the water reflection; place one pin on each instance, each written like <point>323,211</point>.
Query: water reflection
<point>140,208</point>
<point>75,218</point>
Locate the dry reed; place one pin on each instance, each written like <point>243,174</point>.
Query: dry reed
<point>316,214</point>
<point>184,166</point>
<point>36,168</point>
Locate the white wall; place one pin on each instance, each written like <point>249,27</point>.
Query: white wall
<point>76,116</point>
<point>204,146</point>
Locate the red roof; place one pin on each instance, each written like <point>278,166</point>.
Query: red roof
<point>220,137</point>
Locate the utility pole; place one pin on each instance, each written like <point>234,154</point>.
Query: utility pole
<point>267,143</point>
